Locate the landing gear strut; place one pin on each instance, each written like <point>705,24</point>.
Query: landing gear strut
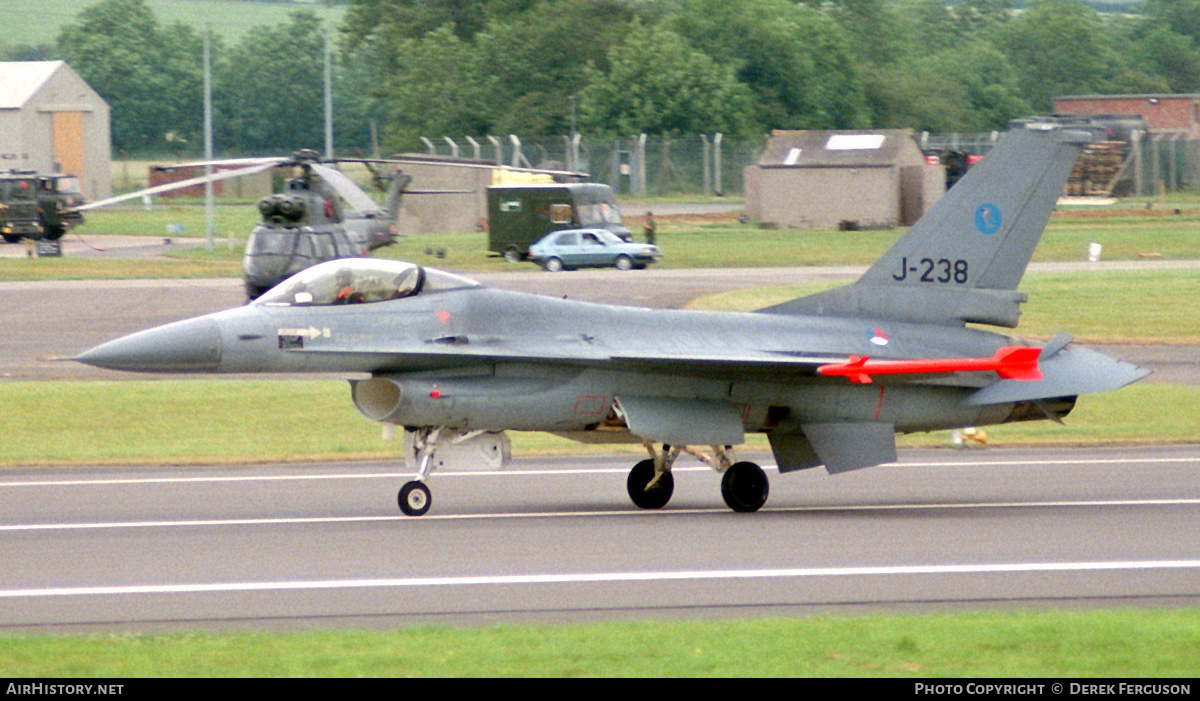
<point>650,483</point>
<point>644,495</point>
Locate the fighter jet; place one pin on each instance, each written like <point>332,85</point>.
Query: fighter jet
<point>830,378</point>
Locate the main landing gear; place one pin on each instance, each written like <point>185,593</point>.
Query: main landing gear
<point>744,485</point>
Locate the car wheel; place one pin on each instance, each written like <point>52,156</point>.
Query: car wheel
<point>512,255</point>
<point>552,265</point>
<point>623,262</point>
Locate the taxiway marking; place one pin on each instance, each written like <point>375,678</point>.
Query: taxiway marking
<point>1107,503</point>
<point>600,578</point>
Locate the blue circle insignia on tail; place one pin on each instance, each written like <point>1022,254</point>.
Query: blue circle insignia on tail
<point>987,218</point>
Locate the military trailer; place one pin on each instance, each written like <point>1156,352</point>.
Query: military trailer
<point>520,215</point>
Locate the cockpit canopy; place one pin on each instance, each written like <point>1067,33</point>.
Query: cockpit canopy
<point>358,281</point>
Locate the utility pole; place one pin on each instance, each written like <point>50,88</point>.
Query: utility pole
<point>208,144</point>
<point>328,97</point>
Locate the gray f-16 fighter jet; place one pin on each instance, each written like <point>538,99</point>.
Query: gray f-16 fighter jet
<point>829,378</point>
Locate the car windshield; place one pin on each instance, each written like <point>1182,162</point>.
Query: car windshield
<point>358,281</point>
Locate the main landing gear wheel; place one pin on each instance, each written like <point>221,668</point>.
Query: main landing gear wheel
<point>414,498</point>
<point>657,496</point>
<point>745,487</point>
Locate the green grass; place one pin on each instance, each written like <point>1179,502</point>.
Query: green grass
<point>1113,306</point>
<point>168,422</point>
<point>1022,644</point>
<point>33,22</point>
<point>230,221</point>
<point>686,245</point>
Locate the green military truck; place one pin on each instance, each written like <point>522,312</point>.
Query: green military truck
<point>19,207</point>
<point>520,215</point>
<point>37,206</point>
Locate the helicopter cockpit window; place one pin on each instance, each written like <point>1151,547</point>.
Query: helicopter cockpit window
<point>348,281</point>
<point>271,242</point>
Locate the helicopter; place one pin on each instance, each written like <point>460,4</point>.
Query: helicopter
<point>306,223</point>
<point>320,214</point>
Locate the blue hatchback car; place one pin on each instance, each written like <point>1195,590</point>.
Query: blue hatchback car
<point>590,248</point>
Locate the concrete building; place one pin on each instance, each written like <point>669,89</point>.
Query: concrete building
<point>842,179</point>
<point>51,121</point>
<point>455,197</point>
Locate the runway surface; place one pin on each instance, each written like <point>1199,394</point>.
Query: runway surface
<point>556,540</point>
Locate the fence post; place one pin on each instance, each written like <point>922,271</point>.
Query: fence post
<point>615,174</point>
<point>1135,139</point>
<point>717,163</point>
<point>517,156</point>
<point>640,167</point>
<point>475,146</point>
<point>704,157</point>
<point>499,149</point>
<point>429,145</point>
<point>453,146</point>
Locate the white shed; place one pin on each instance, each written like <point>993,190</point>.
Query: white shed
<point>845,179</point>
<point>51,121</point>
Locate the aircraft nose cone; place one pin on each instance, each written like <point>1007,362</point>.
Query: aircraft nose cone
<point>193,345</point>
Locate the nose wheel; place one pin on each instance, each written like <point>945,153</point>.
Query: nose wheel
<point>414,498</point>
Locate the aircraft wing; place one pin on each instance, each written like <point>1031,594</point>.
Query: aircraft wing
<point>467,349</point>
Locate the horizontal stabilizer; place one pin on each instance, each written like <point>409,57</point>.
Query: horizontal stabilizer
<point>1010,362</point>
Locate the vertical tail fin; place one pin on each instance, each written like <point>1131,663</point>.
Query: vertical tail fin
<point>964,259</point>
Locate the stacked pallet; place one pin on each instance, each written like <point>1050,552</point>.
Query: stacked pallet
<point>1096,169</point>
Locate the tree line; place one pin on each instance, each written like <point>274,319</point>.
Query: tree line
<point>410,68</point>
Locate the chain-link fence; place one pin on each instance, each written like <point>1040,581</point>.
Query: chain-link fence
<point>642,166</point>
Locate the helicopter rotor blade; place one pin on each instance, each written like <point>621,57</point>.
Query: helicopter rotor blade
<point>223,175</point>
<point>345,187</point>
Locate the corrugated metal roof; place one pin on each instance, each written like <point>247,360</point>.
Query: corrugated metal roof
<point>19,80</point>
<point>800,149</point>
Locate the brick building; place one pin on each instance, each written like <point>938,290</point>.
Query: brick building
<point>1166,114</point>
